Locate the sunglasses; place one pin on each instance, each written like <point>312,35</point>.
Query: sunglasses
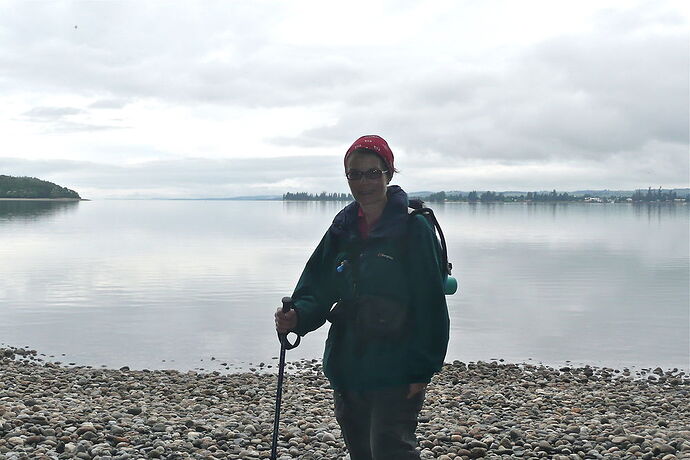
<point>371,174</point>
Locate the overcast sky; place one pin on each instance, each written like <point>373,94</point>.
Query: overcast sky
<point>228,98</point>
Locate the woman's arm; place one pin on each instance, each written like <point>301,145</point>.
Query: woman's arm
<point>315,294</point>
<point>429,313</point>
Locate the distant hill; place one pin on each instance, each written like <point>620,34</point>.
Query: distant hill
<point>31,187</point>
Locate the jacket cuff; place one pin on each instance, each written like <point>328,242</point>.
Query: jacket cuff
<point>299,329</point>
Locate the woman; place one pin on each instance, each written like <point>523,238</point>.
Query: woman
<point>389,333</point>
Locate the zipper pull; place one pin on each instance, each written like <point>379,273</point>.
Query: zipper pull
<point>343,265</point>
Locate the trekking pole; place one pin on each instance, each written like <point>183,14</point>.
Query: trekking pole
<point>284,345</point>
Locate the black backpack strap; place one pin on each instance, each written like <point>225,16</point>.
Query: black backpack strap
<point>415,203</point>
<point>428,213</point>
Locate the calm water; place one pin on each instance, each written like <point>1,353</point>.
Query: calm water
<point>170,284</point>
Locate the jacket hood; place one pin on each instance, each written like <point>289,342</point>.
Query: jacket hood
<point>392,223</point>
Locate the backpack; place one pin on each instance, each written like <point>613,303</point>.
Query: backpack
<point>416,206</point>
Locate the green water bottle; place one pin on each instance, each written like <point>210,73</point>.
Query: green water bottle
<point>450,285</point>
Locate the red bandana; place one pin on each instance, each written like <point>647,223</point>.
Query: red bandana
<point>377,145</point>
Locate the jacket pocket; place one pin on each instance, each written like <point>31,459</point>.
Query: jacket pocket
<point>380,318</point>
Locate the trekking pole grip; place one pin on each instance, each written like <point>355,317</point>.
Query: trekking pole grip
<point>288,305</point>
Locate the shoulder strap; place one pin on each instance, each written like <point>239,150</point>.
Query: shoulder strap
<point>418,208</point>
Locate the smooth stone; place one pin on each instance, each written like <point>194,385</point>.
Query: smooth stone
<point>15,441</point>
<point>158,427</point>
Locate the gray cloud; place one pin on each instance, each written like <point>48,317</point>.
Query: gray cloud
<point>620,92</point>
<point>588,96</point>
<point>59,120</point>
<point>109,104</point>
<point>73,127</point>
<point>50,113</point>
<point>218,55</point>
<point>613,97</point>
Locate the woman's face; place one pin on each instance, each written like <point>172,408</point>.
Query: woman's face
<point>367,191</point>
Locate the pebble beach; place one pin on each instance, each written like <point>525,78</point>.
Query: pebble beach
<point>490,410</point>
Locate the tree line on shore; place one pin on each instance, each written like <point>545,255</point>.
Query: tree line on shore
<point>639,196</point>
<point>323,196</point>
<point>657,195</point>
<point>651,195</point>
<point>31,187</point>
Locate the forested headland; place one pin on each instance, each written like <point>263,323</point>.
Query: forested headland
<point>31,187</point>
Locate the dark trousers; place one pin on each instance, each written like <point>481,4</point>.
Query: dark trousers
<point>379,424</point>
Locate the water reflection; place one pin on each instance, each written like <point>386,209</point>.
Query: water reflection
<point>657,211</point>
<point>34,210</point>
<point>142,281</point>
<point>301,206</point>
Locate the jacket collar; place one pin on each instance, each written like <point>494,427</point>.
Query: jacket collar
<point>392,223</point>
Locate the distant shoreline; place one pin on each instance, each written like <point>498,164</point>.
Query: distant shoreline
<point>44,199</point>
<point>434,203</point>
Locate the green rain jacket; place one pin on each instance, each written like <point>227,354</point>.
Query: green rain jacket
<point>398,262</point>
